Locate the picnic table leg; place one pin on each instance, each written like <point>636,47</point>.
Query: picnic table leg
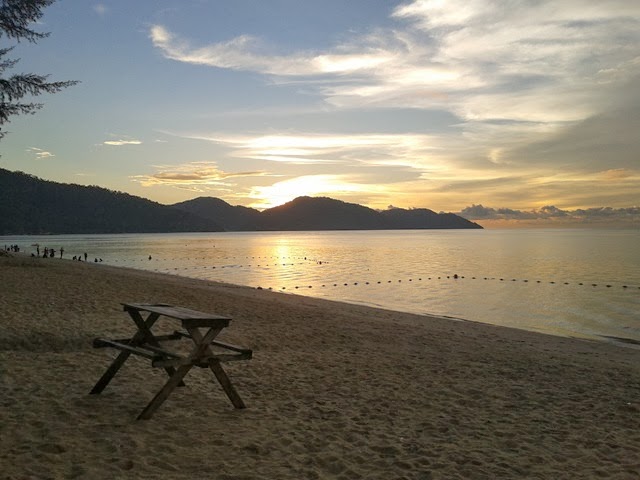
<point>203,346</point>
<point>162,395</point>
<point>111,371</point>
<point>227,386</point>
<point>141,334</point>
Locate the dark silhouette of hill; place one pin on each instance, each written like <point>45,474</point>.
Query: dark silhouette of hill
<point>418,218</point>
<point>232,218</point>
<point>29,205</point>
<point>320,213</point>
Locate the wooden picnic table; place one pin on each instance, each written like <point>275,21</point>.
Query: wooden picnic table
<point>201,328</point>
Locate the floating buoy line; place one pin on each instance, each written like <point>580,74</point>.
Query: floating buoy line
<point>451,277</point>
<point>300,261</point>
<point>189,259</point>
<point>268,262</point>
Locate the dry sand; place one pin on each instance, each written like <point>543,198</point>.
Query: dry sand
<point>333,391</point>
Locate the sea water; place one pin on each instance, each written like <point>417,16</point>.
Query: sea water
<point>569,282</point>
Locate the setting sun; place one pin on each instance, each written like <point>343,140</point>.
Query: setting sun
<point>312,185</point>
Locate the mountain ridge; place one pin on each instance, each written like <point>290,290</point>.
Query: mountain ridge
<point>323,213</point>
<point>30,205</point>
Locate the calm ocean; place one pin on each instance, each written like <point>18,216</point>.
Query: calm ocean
<point>580,282</point>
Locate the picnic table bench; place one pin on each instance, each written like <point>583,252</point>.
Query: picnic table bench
<point>201,328</point>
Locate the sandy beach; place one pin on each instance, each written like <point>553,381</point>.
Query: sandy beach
<point>334,391</point>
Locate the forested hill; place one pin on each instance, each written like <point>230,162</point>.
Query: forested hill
<point>321,213</point>
<point>232,218</point>
<point>29,205</point>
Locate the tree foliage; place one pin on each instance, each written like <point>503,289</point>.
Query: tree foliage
<point>16,18</point>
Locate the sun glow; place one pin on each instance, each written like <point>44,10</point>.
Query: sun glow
<point>310,185</point>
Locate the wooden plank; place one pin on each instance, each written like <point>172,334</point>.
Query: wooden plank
<point>205,322</point>
<point>161,351</point>
<point>218,343</point>
<point>235,348</point>
<point>199,362</point>
<point>103,342</point>
<point>159,338</point>
<point>179,313</point>
<point>232,357</point>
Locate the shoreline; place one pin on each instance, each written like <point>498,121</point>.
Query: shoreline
<point>335,390</point>
<point>534,299</point>
<point>623,342</point>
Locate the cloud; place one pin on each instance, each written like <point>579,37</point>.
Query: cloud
<point>193,175</point>
<point>421,152</point>
<point>542,61</point>
<point>120,143</point>
<point>412,167</point>
<point>606,141</point>
<point>616,174</point>
<point>543,99</point>
<point>550,213</point>
<point>537,61</point>
<point>40,154</point>
<point>247,53</point>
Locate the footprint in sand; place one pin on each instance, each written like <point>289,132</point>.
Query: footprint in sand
<point>125,464</point>
<point>54,448</point>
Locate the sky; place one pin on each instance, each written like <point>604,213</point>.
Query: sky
<point>516,112</point>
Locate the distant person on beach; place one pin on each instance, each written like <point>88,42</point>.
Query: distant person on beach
<point>85,256</point>
<point>38,250</point>
<point>46,252</point>
<point>61,251</point>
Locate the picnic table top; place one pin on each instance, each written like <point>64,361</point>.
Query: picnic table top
<point>185,315</point>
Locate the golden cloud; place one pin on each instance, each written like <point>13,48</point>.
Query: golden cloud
<point>196,173</point>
